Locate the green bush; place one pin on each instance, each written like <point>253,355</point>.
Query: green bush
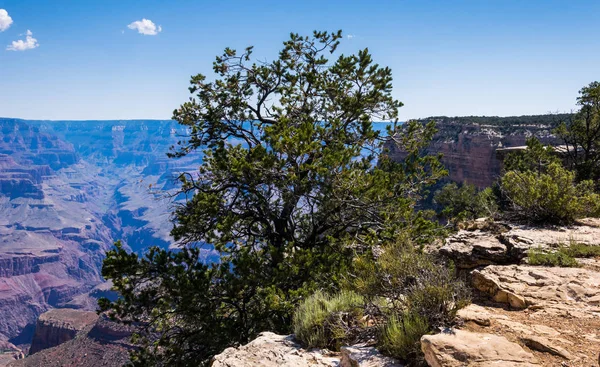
<point>465,202</point>
<point>558,258</point>
<point>411,281</point>
<point>564,256</point>
<point>324,321</point>
<point>582,250</point>
<point>409,293</point>
<point>550,196</point>
<point>401,337</point>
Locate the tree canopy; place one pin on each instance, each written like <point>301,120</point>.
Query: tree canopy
<point>581,134</point>
<point>294,183</point>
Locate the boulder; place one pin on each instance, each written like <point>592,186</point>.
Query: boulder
<point>544,345</point>
<point>472,249</point>
<point>270,349</point>
<point>458,348</point>
<point>364,356</point>
<point>477,314</point>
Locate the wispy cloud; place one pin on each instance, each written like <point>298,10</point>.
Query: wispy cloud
<point>145,27</point>
<point>23,45</point>
<point>5,20</point>
<point>350,36</point>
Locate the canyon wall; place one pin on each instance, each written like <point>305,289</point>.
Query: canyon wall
<point>469,145</point>
<point>68,190</point>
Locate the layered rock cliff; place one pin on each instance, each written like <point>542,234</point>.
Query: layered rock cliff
<point>59,326</point>
<point>77,338</point>
<point>68,190</point>
<point>469,145</point>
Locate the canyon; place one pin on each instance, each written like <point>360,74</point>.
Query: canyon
<point>69,189</point>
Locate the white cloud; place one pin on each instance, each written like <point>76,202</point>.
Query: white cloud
<point>20,45</point>
<point>5,20</point>
<point>145,27</point>
<point>350,36</point>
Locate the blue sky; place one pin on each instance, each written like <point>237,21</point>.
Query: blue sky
<point>486,57</point>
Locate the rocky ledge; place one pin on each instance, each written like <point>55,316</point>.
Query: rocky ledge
<point>521,315</point>
<point>271,350</point>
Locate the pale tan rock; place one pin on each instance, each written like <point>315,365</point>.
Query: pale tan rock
<point>271,350</point>
<point>498,293</point>
<point>561,291</point>
<point>362,356</point>
<point>463,348</point>
<point>470,249</point>
<point>478,314</point>
<point>544,345</point>
<point>522,329</point>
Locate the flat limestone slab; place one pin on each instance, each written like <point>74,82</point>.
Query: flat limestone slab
<point>459,348</point>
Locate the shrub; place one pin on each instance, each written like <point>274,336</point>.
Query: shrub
<point>411,281</point>
<point>324,321</point>
<point>558,258</point>
<point>401,337</point>
<point>564,256</point>
<point>582,250</point>
<point>552,196</point>
<point>465,202</point>
<point>409,293</point>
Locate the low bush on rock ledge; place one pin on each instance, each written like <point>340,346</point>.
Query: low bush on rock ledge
<point>564,256</point>
<point>550,197</point>
<point>558,258</point>
<point>465,202</point>
<point>404,294</point>
<point>324,321</point>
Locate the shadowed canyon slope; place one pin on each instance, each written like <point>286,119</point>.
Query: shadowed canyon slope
<point>67,191</point>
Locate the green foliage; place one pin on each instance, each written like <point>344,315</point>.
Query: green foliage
<point>564,256</point>
<point>558,258</point>
<point>404,294</point>
<point>581,134</point>
<point>551,196</point>
<point>325,321</point>
<point>401,337</point>
<point>411,282</point>
<point>582,250</point>
<point>537,157</point>
<point>465,202</point>
<point>287,204</point>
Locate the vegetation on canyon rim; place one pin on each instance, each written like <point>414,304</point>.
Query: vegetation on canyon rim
<point>293,189</point>
<point>318,230</point>
<point>540,184</point>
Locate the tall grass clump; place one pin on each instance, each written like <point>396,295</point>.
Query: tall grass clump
<point>400,337</point>
<point>326,321</point>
